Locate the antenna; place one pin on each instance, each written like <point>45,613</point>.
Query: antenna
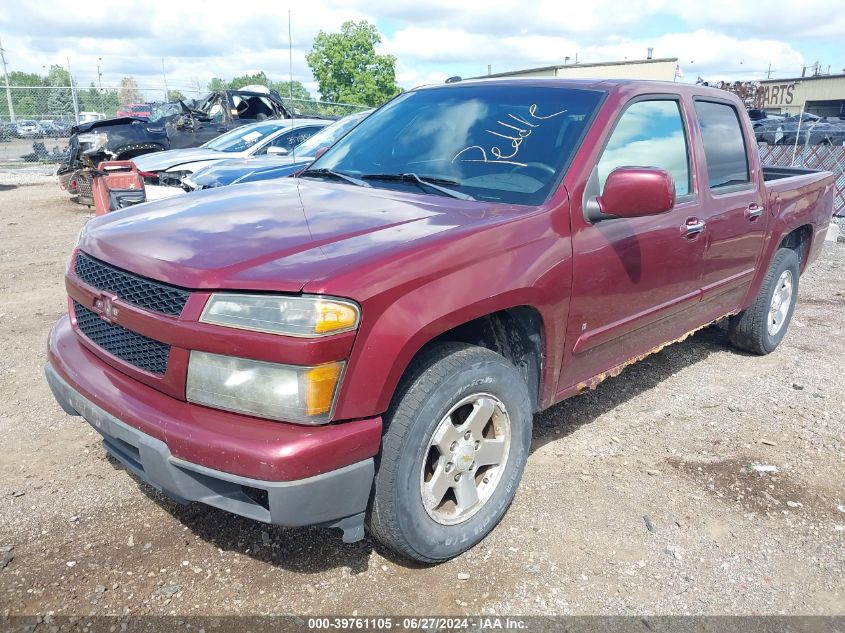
<point>290,81</point>
<point>164,75</point>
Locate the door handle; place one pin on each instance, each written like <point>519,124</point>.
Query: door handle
<point>753,211</point>
<point>692,227</point>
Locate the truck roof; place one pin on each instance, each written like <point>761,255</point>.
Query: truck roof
<point>607,85</point>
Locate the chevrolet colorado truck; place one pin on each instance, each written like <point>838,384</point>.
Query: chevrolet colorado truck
<point>365,345</point>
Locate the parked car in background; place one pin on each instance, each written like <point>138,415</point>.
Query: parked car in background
<point>367,344</point>
<point>161,175</point>
<point>126,138</point>
<point>90,117</point>
<point>271,165</point>
<point>27,128</point>
<point>806,128</point>
<point>143,110</point>
<point>270,137</point>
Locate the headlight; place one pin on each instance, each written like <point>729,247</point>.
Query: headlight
<point>96,140</point>
<point>268,390</point>
<point>307,316</point>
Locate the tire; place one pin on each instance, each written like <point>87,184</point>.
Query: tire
<point>751,329</point>
<point>440,379</point>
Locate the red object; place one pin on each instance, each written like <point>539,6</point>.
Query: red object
<point>143,110</point>
<point>605,292</point>
<point>237,444</point>
<point>115,177</point>
<point>631,192</point>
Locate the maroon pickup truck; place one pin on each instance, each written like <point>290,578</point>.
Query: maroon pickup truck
<point>366,344</point>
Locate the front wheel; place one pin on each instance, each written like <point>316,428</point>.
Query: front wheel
<point>456,442</point>
<point>761,327</point>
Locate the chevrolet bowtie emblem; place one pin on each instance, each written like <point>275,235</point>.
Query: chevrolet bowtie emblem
<point>104,306</point>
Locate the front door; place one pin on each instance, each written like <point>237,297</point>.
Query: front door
<point>636,281</point>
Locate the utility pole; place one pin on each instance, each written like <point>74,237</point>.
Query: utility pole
<point>769,72</point>
<point>99,75</point>
<point>73,93</point>
<point>8,91</point>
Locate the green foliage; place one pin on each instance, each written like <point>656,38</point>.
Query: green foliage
<point>175,95</point>
<point>60,96</point>
<point>283,87</point>
<point>258,78</point>
<point>292,88</point>
<point>348,69</point>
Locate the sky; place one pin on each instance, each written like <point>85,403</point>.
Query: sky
<point>190,42</point>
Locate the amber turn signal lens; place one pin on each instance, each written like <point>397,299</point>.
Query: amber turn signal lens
<point>320,385</point>
<point>333,316</point>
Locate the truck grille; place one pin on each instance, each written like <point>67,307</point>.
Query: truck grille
<point>136,349</point>
<point>141,292</point>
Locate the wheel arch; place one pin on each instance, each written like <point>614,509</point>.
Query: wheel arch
<point>799,240</point>
<point>517,331</point>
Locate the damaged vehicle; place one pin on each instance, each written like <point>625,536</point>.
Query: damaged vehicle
<point>175,126</point>
<point>272,165</point>
<point>265,138</point>
<point>119,184</point>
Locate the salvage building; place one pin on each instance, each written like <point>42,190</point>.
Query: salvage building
<point>823,95</point>
<point>664,69</point>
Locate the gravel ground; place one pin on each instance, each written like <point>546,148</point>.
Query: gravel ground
<point>637,499</point>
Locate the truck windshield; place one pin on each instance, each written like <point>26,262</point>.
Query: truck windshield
<point>497,142</point>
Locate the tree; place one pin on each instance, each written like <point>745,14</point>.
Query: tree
<point>259,79</point>
<point>348,69</point>
<point>216,84</point>
<point>287,89</point>
<point>128,91</point>
<point>175,95</point>
<point>60,96</point>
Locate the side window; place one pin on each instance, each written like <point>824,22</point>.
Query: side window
<point>724,146</point>
<point>291,139</point>
<point>649,134</point>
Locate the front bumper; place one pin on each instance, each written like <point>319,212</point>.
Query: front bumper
<point>272,472</point>
<point>334,499</point>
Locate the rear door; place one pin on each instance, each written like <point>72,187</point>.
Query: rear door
<point>636,281</point>
<point>733,213</point>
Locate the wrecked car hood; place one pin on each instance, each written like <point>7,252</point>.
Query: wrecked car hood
<point>162,161</point>
<point>275,235</point>
<point>228,172</point>
<point>106,123</point>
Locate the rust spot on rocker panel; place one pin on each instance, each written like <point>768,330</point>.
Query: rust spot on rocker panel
<point>595,381</point>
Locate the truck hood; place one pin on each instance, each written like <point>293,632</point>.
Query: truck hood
<point>272,235</point>
<point>162,161</point>
<point>229,171</point>
<point>106,123</point>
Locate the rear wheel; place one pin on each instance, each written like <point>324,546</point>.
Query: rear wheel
<point>761,327</point>
<point>454,449</point>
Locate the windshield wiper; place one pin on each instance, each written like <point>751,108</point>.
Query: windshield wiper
<point>337,175</point>
<point>425,181</point>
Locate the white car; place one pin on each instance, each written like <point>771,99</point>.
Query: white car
<point>277,136</point>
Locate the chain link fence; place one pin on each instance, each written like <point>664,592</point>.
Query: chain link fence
<point>36,121</point>
<point>828,157</point>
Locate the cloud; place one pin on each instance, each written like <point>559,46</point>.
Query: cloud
<point>719,39</point>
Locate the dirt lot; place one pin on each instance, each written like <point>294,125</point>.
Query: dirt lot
<point>670,439</point>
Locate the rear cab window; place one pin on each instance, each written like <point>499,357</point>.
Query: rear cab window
<point>725,151</point>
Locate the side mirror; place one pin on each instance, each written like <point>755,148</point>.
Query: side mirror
<point>631,192</point>
<point>277,151</point>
